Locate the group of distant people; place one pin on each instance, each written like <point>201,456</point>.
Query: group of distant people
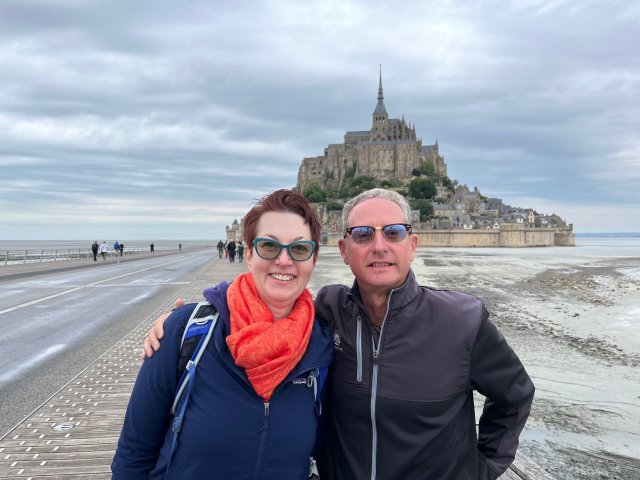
<point>104,249</point>
<point>229,249</point>
<point>118,247</point>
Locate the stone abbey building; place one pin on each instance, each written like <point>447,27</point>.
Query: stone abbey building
<point>390,151</point>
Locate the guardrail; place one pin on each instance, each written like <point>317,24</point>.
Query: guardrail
<point>12,257</point>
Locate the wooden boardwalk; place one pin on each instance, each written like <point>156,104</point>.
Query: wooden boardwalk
<point>73,435</point>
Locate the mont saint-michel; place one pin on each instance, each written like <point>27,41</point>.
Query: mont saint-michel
<point>444,213</point>
<point>392,155</point>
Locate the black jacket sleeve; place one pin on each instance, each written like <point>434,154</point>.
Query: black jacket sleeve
<point>497,373</point>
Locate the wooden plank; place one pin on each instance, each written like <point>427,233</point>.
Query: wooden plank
<point>509,475</point>
<point>527,469</point>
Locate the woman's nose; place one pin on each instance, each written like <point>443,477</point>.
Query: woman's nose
<point>284,259</point>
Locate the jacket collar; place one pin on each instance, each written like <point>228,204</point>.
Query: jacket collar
<point>400,297</point>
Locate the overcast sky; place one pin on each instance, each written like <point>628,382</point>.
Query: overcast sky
<point>165,120</point>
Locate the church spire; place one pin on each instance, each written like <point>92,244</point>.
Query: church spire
<point>380,113</point>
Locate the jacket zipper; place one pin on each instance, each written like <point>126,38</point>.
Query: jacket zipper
<point>359,350</point>
<point>374,391</point>
<point>263,440</point>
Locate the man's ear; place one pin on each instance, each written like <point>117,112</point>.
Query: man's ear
<point>343,251</point>
<point>414,245</point>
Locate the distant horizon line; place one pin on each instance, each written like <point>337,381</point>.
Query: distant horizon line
<point>578,234</point>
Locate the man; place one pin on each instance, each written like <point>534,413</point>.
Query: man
<point>231,248</point>
<point>94,250</point>
<point>104,249</point>
<point>407,360</point>
<point>240,251</point>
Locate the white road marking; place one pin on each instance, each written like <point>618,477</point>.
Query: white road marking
<point>135,283</point>
<point>32,361</point>
<point>59,294</point>
<point>136,299</point>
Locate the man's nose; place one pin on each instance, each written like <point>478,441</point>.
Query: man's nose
<point>379,242</point>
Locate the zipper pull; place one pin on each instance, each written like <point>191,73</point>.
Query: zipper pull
<point>311,379</point>
<point>312,382</point>
<point>266,409</point>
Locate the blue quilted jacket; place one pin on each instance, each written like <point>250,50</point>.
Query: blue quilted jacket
<point>228,430</point>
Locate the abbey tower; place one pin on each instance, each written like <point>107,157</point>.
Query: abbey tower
<point>389,151</point>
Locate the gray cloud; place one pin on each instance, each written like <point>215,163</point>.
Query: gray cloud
<point>171,119</point>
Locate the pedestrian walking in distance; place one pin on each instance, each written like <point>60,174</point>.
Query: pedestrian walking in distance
<point>94,249</point>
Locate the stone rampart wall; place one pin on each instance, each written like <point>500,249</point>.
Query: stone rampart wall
<point>510,236</point>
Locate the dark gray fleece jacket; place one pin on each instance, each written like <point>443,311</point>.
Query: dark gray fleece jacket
<point>401,399</point>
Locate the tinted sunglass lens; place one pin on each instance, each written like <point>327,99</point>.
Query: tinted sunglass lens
<point>301,251</point>
<point>362,234</point>
<point>268,249</point>
<point>395,233</point>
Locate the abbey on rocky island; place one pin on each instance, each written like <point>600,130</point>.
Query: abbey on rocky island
<point>389,151</point>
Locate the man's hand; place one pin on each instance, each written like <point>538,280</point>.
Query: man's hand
<point>156,332</point>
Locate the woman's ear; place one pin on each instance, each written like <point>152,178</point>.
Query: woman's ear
<point>248,257</point>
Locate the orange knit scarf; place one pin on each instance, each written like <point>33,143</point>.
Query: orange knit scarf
<point>268,350</point>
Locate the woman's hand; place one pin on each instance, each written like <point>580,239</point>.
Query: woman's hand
<point>156,332</point>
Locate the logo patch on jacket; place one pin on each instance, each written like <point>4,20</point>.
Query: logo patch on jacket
<point>336,341</point>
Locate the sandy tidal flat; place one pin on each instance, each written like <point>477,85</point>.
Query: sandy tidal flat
<point>573,317</point>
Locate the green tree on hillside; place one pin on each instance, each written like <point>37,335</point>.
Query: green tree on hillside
<point>314,193</point>
<point>446,181</point>
<point>354,186</point>
<point>422,188</point>
<point>425,207</point>
<point>426,169</point>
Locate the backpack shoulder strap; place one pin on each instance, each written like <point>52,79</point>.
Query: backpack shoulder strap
<point>195,339</point>
<point>200,323</point>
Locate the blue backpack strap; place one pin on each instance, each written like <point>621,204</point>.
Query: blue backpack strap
<point>195,339</point>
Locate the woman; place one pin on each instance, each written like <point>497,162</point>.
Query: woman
<point>251,413</point>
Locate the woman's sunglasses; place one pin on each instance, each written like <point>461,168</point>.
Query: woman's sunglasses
<point>392,233</point>
<point>298,251</point>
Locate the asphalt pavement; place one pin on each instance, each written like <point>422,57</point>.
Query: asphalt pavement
<point>111,310</point>
<point>22,270</point>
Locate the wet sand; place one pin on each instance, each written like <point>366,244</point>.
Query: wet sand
<point>574,321</point>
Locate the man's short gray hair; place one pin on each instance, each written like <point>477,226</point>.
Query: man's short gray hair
<point>391,195</point>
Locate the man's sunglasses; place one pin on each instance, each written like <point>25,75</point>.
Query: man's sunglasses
<point>298,251</point>
<point>392,233</point>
